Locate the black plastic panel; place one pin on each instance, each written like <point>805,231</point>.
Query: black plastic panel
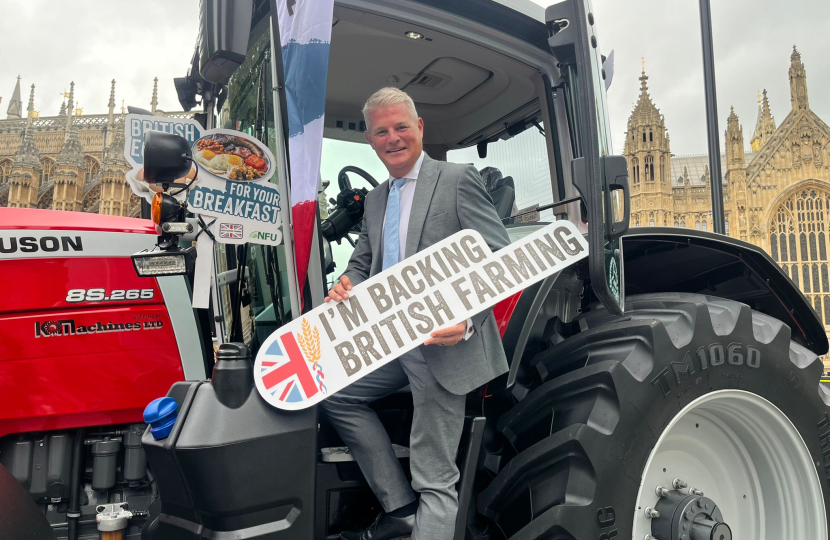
<point>666,259</point>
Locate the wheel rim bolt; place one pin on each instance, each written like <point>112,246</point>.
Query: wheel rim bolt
<point>661,491</point>
<point>652,513</point>
<point>677,483</point>
<point>695,492</point>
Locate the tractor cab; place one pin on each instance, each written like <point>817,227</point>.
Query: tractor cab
<point>498,86</point>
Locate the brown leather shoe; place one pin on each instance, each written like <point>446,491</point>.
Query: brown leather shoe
<point>385,527</point>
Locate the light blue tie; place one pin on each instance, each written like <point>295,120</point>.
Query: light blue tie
<point>391,238</point>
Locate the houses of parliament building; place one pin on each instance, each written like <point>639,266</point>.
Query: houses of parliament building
<point>776,195</point>
<point>70,161</point>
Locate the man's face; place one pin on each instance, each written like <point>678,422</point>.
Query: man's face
<point>396,137</point>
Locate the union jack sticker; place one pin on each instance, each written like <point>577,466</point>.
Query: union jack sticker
<point>230,230</point>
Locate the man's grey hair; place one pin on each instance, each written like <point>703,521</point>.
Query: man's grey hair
<point>386,97</point>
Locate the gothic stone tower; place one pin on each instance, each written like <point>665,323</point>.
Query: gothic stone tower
<point>735,192</point>
<point>116,196</point>
<point>26,167</point>
<point>69,175</point>
<point>764,125</point>
<point>648,152</point>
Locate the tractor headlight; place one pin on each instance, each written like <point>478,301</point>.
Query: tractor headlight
<point>164,263</point>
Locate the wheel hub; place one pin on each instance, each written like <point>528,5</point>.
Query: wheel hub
<point>746,455</point>
<point>682,516</point>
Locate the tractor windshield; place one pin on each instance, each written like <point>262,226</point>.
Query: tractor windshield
<point>491,94</point>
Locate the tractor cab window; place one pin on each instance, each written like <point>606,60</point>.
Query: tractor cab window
<point>261,299</point>
<point>516,174</point>
<point>340,170</point>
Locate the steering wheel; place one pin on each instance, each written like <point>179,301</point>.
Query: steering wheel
<point>343,179</point>
<point>347,216</point>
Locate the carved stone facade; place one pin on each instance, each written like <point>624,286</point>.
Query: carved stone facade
<point>777,196</point>
<point>71,161</point>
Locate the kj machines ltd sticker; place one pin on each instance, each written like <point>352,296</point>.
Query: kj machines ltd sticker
<point>338,343</point>
<point>229,185</point>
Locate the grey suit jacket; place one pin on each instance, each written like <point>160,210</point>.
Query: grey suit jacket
<point>448,198</point>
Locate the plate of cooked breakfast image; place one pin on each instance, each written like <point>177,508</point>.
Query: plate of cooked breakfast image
<point>233,157</point>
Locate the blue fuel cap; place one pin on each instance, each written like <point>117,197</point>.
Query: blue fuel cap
<point>161,414</point>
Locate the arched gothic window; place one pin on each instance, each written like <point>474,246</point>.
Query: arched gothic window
<point>92,167</point>
<point>798,242</point>
<point>649,170</point>
<point>726,224</point>
<point>644,136</point>
<point>650,137</point>
<point>47,167</point>
<point>651,222</point>
<point>697,224</point>
<point>683,223</point>
<point>703,225</point>
<point>662,168</point>
<point>637,222</point>
<point>676,223</point>
<point>635,168</point>
<point>5,171</point>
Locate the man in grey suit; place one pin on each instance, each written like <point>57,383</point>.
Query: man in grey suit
<point>422,202</point>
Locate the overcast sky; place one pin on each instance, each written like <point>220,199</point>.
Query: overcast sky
<point>91,42</point>
<point>51,43</point>
<point>753,40</point>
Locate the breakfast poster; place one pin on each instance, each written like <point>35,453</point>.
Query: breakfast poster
<point>229,184</point>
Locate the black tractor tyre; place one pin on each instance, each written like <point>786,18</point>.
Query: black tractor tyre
<point>582,438</point>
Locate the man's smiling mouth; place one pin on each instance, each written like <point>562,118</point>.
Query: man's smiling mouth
<point>395,150</point>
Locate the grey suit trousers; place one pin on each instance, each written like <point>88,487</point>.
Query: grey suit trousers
<point>436,430</point>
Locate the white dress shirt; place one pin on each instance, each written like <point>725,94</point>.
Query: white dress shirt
<point>407,195</point>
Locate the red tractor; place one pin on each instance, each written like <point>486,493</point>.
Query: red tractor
<point>665,388</point>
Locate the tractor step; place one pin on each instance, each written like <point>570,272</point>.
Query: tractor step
<point>338,454</point>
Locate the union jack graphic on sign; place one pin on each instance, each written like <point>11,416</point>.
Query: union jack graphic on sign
<point>230,230</point>
<point>291,381</point>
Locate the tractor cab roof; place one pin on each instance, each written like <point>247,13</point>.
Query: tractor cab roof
<point>469,66</point>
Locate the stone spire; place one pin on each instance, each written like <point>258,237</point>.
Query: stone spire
<point>26,167</point>
<point>72,152</point>
<point>798,83</point>
<point>734,141</point>
<point>155,101</point>
<point>644,106</point>
<point>15,109</point>
<point>111,117</point>
<point>70,108</point>
<point>30,109</point>
<point>116,195</point>
<point>27,152</point>
<point>63,108</point>
<point>114,161</point>
<point>69,173</point>
<point>764,126</point>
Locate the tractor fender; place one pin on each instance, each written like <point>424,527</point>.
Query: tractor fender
<point>668,259</point>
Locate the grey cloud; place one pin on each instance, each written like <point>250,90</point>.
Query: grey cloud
<point>51,43</point>
<point>753,40</point>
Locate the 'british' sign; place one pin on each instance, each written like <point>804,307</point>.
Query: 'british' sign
<point>335,344</point>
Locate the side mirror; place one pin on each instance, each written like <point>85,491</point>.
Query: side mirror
<point>167,157</point>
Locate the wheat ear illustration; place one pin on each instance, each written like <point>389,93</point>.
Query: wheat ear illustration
<point>309,341</point>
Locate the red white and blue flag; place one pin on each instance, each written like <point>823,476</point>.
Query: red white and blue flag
<point>305,33</point>
<point>291,381</point>
<point>230,230</point>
